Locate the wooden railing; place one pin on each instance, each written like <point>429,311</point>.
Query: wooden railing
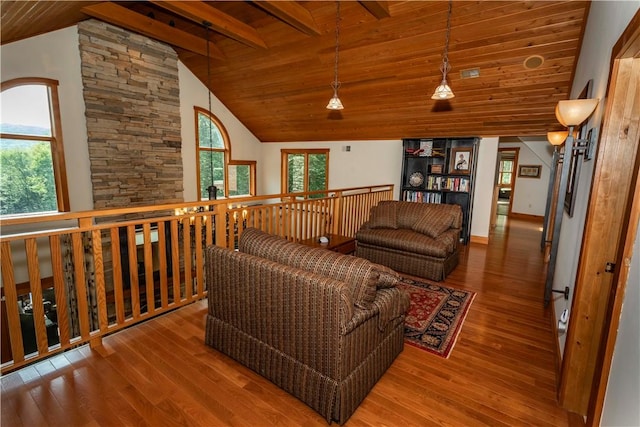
<point>72,278</point>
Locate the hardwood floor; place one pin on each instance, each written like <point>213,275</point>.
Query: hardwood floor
<point>159,373</point>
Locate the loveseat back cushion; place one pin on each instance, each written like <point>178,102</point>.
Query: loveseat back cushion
<point>433,223</point>
<point>409,213</point>
<point>358,273</point>
<point>383,215</point>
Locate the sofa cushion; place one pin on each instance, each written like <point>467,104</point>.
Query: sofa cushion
<point>384,215</point>
<point>357,272</point>
<point>433,224</point>
<point>409,213</point>
<point>404,240</point>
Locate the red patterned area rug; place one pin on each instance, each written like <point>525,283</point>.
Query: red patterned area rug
<point>435,316</point>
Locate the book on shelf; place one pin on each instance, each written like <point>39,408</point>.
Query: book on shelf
<point>421,197</point>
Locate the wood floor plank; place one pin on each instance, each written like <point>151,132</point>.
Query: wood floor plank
<point>501,371</point>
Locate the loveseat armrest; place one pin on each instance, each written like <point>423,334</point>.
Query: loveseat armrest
<point>390,304</point>
<point>294,311</point>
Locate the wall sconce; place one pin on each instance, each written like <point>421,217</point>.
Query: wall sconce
<point>571,114</point>
<point>557,138</point>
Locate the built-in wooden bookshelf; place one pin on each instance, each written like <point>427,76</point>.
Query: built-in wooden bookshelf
<point>440,170</point>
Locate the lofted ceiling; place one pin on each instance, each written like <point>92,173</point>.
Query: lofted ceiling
<point>272,62</point>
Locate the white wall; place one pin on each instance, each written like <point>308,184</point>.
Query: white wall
<point>244,145</point>
<point>56,56</point>
<point>607,21</point>
<point>530,194</point>
<point>368,163</point>
<point>483,187</point>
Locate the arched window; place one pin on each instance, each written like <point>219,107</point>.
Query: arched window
<point>33,178</point>
<point>213,153</point>
<point>215,167</point>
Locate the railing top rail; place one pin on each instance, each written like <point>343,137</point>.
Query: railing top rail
<point>117,214</point>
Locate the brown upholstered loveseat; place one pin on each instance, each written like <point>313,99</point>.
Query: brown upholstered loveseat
<point>321,325</point>
<point>420,239</point>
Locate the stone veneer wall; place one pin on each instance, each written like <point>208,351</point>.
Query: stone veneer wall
<point>132,103</point>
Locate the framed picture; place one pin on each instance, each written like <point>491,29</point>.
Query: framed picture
<point>529,171</point>
<point>592,137</point>
<point>460,160</point>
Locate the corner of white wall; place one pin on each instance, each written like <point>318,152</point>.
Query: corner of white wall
<point>244,145</point>
<point>483,187</point>
<point>56,55</point>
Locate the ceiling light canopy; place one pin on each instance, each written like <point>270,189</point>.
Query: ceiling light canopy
<point>334,102</point>
<point>443,91</point>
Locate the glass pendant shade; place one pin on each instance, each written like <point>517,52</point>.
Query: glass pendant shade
<point>557,138</point>
<point>335,103</point>
<point>575,111</point>
<point>443,91</point>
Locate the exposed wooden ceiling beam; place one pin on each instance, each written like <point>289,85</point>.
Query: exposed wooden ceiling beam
<point>200,12</point>
<point>292,13</point>
<point>125,18</point>
<point>379,9</point>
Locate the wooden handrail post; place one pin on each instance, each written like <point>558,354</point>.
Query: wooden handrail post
<point>336,221</point>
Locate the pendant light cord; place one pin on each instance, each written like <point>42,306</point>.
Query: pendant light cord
<point>336,84</point>
<point>445,57</point>
<point>207,24</point>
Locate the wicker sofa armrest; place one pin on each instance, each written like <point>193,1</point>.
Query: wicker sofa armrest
<point>294,311</point>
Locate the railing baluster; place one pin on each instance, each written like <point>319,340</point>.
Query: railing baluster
<point>101,295</point>
<point>148,268</point>
<point>117,275</point>
<point>133,272</point>
<point>162,265</point>
<point>81,284</point>
<point>59,289</point>
<point>11,298</point>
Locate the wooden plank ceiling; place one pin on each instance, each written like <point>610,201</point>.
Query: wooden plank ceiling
<point>272,62</point>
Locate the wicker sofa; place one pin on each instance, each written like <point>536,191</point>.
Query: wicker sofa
<point>321,325</point>
<point>420,239</point>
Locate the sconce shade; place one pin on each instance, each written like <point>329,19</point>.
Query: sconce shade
<point>559,118</point>
<point>443,91</point>
<point>558,137</point>
<point>575,111</point>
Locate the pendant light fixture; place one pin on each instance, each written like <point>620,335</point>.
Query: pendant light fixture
<point>443,91</point>
<point>335,103</point>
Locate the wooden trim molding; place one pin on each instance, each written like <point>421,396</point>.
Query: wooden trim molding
<point>483,240</point>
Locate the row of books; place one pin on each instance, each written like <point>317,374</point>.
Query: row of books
<point>451,184</point>
<point>421,197</point>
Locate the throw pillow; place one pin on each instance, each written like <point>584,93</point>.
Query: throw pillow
<point>384,215</point>
<point>432,224</point>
